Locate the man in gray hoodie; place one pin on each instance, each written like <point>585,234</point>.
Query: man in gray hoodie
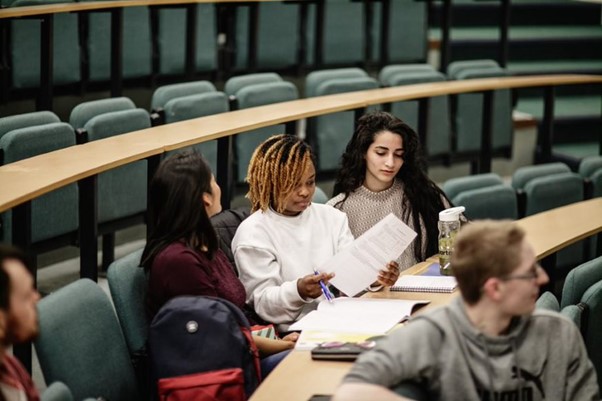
<point>489,344</point>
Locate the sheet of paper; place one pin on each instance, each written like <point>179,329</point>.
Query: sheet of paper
<point>357,266</point>
<point>357,315</point>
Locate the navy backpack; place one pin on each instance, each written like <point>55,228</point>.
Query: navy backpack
<point>201,349</point>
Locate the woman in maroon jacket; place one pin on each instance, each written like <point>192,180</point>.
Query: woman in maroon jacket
<point>182,256</point>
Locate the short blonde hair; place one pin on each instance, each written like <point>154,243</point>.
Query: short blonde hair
<point>485,249</point>
<point>275,169</point>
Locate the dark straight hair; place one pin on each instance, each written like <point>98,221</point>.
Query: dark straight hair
<point>176,210</point>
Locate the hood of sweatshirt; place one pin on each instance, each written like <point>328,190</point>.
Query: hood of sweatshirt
<point>496,345</point>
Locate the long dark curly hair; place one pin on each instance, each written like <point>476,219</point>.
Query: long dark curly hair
<point>422,196</point>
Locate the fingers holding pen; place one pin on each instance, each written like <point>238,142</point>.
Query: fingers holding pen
<point>309,286</point>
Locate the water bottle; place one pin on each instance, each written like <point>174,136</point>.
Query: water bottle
<point>449,224</point>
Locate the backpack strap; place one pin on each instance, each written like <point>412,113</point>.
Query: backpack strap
<point>245,328</point>
<point>253,347</point>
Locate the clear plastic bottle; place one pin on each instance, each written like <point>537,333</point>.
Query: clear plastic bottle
<point>449,224</point>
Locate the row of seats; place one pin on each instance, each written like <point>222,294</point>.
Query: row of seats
<point>581,301</point>
<point>453,130</point>
<point>82,41</point>
<point>122,191</point>
<point>533,189</point>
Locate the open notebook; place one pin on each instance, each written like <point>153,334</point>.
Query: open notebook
<point>351,319</point>
<point>412,283</point>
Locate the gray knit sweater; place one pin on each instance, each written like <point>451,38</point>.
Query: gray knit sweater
<point>365,208</point>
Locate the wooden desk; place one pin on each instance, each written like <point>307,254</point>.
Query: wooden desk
<point>298,377</point>
<point>555,229</point>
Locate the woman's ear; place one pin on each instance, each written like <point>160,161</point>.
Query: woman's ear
<point>207,200</point>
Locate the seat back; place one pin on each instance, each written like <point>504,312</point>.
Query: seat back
<point>172,58</point>
<point>407,34</point>
<point>596,179</point>
<point>84,112</point>
<point>25,43</point>
<point>10,123</point>
<point>319,196</point>
<point>523,175</point>
<point>128,285</point>
<point>277,36</point>
<point>579,280</point>
<point>494,202</point>
<point>121,191</point>
<point>592,299</point>
<point>234,84</point>
<point>192,100</point>
<point>343,39</point>
<point>438,135</point>
<point>455,186</point>
<point>389,71</point>
<point>57,391</point>
<point>137,44</point>
<point>316,78</point>
<point>329,134</point>
<point>548,301</point>
<point>574,313</point>
<point>254,96</point>
<point>53,214</point>
<point>589,165</point>
<point>81,344</point>
<point>545,193</point>
<point>591,168</point>
<point>165,93</point>
<point>468,118</point>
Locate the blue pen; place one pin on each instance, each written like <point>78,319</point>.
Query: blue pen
<point>325,290</point>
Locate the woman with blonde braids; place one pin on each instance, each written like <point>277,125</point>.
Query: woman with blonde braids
<point>278,247</point>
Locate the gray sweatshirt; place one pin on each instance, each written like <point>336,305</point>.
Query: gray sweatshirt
<point>541,358</point>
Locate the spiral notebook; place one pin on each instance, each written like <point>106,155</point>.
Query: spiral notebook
<point>412,283</point>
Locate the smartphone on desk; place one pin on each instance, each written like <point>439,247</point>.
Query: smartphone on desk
<point>341,351</point>
<point>320,397</point>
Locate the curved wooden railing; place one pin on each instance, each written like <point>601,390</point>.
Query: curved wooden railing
<point>28,179</point>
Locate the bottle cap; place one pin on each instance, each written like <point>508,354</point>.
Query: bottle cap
<point>451,214</point>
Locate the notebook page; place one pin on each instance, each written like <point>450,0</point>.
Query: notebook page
<point>425,283</point>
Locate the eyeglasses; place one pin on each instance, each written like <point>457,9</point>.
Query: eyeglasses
<point>531,275</point>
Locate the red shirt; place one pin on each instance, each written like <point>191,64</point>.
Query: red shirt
<point>178,270</point>
<point>15,381</point>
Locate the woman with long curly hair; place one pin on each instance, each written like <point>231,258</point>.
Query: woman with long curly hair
<point>382,172</point>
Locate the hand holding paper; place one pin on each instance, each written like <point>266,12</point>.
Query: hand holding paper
<point>358,266</point>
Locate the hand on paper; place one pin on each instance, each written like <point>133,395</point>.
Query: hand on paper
<point>389,275</point>
<point>292,337</point>
<point>309,286</point>
<point>270,346</point>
